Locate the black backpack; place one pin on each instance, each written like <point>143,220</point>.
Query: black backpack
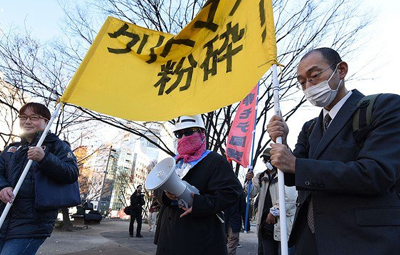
<point>361,123</point>
<point>361,118</point>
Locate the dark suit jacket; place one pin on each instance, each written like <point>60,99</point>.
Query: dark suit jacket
<point>356,206</point>
<point>137,201</point>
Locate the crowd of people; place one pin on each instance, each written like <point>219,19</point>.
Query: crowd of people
<point>342,193</point>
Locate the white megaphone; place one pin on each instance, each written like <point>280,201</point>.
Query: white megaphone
<point>163,176</point>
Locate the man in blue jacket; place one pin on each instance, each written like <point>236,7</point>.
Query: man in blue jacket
<point>26,227</point>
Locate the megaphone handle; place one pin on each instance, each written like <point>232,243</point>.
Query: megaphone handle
<point>182,203</point>
<point>220,219</point>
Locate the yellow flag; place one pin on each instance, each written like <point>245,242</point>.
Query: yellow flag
<point>139,74</point>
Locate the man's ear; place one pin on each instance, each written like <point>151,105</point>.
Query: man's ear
<point>343,69</point>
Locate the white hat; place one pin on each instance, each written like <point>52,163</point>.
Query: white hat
<point>184,122</point>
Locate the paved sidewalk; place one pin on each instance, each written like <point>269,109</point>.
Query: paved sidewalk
<point>111,237</point>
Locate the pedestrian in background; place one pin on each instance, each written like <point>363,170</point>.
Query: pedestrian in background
<point>233,224</point>
<point>25,227</point>
<point>153,211</point>
<point>265,185</point>
<point>137,201</point>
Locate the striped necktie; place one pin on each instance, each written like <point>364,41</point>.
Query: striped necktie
<point>327,120</point>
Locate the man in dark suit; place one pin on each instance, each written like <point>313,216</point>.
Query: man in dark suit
<point>349,201</point>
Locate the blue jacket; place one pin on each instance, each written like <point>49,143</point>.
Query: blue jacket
<point>23,220</point>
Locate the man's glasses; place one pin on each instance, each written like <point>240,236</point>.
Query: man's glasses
<point>186,132</point>
<point>313,78</point>
<point>24,118</point>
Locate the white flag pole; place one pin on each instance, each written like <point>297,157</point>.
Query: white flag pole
<point>281,178</point>
<point>28,165</point>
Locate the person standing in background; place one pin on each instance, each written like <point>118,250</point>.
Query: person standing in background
<point>137,201</point>
<point>265,185</point>
<point>153,211</point>
<point>233,224</point>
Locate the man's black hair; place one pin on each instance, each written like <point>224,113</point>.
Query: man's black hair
<point>37,108</point>
<point>330,55</point>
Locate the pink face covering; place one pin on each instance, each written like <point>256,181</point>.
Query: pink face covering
<point>190,148</point>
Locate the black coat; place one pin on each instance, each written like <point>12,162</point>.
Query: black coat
<point>200,232</point>
<point>23,220</point>
<point>137,201</point>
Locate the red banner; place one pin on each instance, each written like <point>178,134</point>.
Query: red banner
<point>241,133</point>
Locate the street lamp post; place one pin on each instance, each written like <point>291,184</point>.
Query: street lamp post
<point>105,174</point>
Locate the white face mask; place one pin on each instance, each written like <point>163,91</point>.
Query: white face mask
<point>321,94</point>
